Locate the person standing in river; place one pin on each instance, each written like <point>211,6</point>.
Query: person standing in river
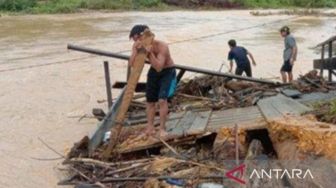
<point>289,54</point>
<point>161,78</point>
<point>240,55</point>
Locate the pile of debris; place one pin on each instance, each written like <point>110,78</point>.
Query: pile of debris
<point>312,82</point>
<point>194,160</point>
<point>187,164</point>
<point>219,93</point>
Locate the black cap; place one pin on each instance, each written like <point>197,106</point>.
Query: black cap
<point>285,29</point>
<point>137,30</point>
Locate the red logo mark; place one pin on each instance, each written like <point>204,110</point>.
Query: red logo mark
<point>240,169</point>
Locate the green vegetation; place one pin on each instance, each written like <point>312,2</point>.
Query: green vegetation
<point>325,111</point>
<point>287,3</point>
<point>68,6</point>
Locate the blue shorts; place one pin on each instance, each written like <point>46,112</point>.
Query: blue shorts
<point>160,85</point>
<point>287,67</point>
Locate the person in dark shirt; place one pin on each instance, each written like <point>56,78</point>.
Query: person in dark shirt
<point>239,55</point>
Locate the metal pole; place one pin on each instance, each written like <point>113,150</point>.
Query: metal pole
<point>330,60</point>
<point>237,144</point>
<point>181,67</point>
<point>108,84</point>
<point>322,57</point>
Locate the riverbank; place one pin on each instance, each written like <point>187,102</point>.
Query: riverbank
<point>75,6</point>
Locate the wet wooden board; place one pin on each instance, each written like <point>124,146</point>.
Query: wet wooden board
<point>200,123</point>
<point>185,123</point>
<point>311,98</point>
<point>186,128</point>
<point>293,93</point>
<point>105,125</point>
<point>247,118</point>
<point>280,106</point>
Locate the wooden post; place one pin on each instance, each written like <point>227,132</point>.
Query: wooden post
<point>146,40</point>
<point>180,75</point>
<point>330,60</point>
<point>322,57</point>
<point>108,84</point>
<point>237,144</point>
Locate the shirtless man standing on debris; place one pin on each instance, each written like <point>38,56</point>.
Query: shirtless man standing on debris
<point>161,78</point>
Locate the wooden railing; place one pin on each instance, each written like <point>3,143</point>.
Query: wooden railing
<point>328,63</point>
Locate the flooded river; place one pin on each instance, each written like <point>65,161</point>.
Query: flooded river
<point>45,102</point>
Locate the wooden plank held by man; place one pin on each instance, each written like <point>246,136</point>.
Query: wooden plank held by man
<point>144,43</point>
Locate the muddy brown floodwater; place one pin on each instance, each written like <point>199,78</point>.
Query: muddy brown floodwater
<point>45,102</point>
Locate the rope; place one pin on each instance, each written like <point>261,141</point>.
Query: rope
<point>171,43</point>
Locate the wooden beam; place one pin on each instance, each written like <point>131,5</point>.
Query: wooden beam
<point>180,75</point>
<point>322,57</point>
<point>146,41</point>
<point>331,39</point>
<point>330,59</point>
<point>181,67</point>
<point>140,87</point>
<point>108,84</point>
<point>105,125</point>
<point>326,64</point>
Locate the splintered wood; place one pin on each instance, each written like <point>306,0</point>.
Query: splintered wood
<point>224,145</point>
<point>146,41</point>
<point>309,137</point>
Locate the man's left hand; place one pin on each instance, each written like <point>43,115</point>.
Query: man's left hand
<point>291,61</point>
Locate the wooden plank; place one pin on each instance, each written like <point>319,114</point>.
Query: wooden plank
<point>292,93</point>
<point>327,41</point>
<point>185,123</point>
<point>140,87</point>
<point>105,125</point>
<point>322,58</point>
<point>174,119</point>
<point>327,63</point>
<point>146,41</point>
<point>312,98</point>
<point>280,106</point>
<point>247,118</point>
<point>200,123</point>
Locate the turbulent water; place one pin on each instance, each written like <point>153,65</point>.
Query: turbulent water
<point>45,102</point>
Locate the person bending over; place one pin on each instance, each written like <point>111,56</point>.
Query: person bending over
<point>240,56</point>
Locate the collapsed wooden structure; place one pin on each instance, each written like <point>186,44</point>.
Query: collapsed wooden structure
<point>326,63</point>
<point>272,126</point>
